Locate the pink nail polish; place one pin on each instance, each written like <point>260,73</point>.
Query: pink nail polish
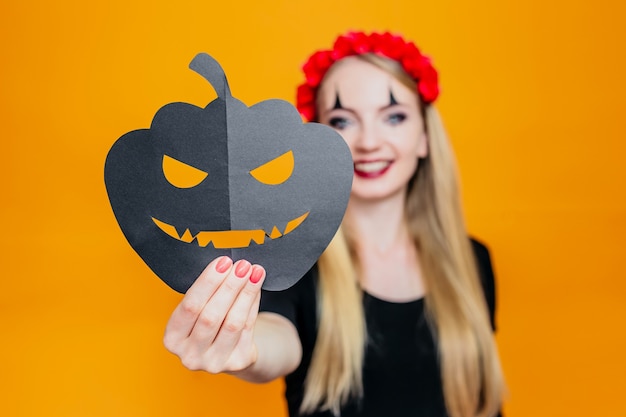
<point>257,274</point>
<point>223,264</point>
<point>241,268</point>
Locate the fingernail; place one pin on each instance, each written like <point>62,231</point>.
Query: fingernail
<point>242,268</point>
<point>257,274</point>
<point>223,264</point>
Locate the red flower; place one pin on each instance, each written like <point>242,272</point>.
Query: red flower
<point>418,66</point>
<point>317,65</point>
<point>306,101</point>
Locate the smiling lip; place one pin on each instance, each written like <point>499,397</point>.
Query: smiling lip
<point>229,239</point>
<point>371,169</point>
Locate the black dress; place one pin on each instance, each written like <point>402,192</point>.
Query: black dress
<point>401,374</point>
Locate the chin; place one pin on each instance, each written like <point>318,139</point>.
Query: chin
<point>377,195</point>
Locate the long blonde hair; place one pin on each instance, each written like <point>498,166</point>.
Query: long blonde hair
<point>455,305</point>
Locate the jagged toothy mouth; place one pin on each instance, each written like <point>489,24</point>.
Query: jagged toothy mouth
<point>229,239</point>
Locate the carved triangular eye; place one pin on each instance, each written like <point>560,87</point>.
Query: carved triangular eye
<point>276,171</point>
<point>180,174</point>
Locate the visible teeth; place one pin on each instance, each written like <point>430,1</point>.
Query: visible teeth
<point>371,166</point>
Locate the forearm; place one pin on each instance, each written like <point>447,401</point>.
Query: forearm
<point>279,350</point>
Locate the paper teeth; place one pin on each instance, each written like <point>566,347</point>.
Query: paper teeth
<point>275,233</point>
<point>229,239</point>
<point>295,223</point>
<point>259,240</point>
<point>203,238</point>
<point>187,237</point>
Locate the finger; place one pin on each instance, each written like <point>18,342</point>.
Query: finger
<point>188,310</point>
<point>246,341</point>
<point>239,322</point>
<point>212,316</point>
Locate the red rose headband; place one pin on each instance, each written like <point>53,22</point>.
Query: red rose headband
<point>416,65</point>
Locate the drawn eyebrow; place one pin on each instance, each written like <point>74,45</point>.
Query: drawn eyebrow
<point>337,101</point>
<point>392,99</point>
<point>339,106</point>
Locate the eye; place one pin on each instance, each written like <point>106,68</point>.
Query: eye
<point>396,118</point>
<point>276,171</point>
<point>181,175</point>
<point>338,123</point>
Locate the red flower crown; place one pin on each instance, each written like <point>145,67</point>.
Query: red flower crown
<point>416,65</point>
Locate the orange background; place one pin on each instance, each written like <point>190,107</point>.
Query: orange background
<point>533,96</point>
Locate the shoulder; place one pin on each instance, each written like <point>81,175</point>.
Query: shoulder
<point>485,272</point>
<point>481,252</point>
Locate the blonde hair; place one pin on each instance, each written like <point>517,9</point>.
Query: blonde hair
<point>335,373</point>
<point>455,305</point>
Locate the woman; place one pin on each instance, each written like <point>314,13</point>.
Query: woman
<point>394,320</point>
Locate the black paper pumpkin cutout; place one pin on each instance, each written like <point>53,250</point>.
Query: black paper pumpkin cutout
<point>251,183</point>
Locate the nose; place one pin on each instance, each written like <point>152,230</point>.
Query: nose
<point>368,138</point>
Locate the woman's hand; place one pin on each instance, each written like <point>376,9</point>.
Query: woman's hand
<point>212,327</point>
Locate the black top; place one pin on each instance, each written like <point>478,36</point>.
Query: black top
<point>401,375</point>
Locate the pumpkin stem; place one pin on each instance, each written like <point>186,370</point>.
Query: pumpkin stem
<point>211,70</point>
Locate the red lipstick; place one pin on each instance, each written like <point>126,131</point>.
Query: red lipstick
<point>371,169</point>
